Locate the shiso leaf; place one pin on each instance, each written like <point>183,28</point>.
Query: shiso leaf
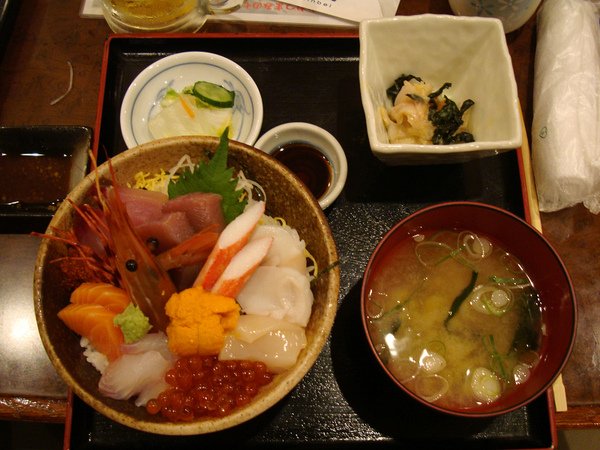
<point>213,176</point>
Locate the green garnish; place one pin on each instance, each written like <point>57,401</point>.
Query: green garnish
<point>496,359</point>
<point>133,323</point>
<point>213,176</point>
<point>509,280</point>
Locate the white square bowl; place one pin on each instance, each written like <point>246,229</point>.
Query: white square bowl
<point>469,52</point>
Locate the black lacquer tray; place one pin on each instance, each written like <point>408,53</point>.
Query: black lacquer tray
<point>345,401</point>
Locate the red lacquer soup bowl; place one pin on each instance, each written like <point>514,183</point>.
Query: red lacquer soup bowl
<point>517,364</point>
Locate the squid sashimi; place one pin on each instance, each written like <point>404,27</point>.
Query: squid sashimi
<point>95,323</point>
<point>277,343</point>
<point>235,235</point>
<point>111,297</point>
<point>278,292</point>
<point>288,250</point>
<point>241,267</point>
<point>139,371</point>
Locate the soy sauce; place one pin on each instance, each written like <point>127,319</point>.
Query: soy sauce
<point>308,163</point>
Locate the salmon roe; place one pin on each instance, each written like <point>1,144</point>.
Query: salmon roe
<point>202,386</point>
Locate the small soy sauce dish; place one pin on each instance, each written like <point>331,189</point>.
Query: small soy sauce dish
<point>313,154</point>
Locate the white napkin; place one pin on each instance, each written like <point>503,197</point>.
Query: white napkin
<point>566,105</point>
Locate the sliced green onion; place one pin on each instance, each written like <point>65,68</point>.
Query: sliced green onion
<point>496,359</point>
<point>514,281</point>
<point>485,385</point>
<point>521,373</point>
<point>404,370</point>
<point>437,347</point>
<point>477,247</point>
<point>431,362</point>
<point>431,387</point>
<point>432,253</point>
<point>495,300</point>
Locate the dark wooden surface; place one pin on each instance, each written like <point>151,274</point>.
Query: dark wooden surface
<point>47,34</point>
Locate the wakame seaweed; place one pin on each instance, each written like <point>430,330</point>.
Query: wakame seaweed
<point>394,89</point>
<point>527,335</point>
<point>446,120</point>
<point>460,298</point>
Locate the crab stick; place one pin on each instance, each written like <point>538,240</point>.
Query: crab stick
<point>231,240</point>
<point>242,266</point>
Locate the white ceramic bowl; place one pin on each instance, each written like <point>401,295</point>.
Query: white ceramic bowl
<point>317,137</point>
<point>177,71</point>
<point>469,52</point>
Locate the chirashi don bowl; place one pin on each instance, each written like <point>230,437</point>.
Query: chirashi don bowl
<point>286,198</point>
<point>470,53</point>
<point>418,366</point>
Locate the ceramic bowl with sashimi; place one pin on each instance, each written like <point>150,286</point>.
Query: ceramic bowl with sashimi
<point>186,285</point>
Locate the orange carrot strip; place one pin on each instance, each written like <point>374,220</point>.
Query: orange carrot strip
<point>186,107</point>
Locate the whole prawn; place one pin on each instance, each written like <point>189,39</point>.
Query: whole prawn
<point>147,283</point>
<point>114,253</point>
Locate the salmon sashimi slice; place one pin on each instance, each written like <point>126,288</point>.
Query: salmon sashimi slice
<point>242,266</point>
<point>231,240</point>
<point>111,297</point>
<point>95,323</point>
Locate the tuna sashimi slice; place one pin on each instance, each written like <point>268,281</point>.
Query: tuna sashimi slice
<point>235,236</point>
<point>201,208</point>
<point>95,323</point>
<point>142,206</point>
<point>111,297</point>
<point>169,230</point>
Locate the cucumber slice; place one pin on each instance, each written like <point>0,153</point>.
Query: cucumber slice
<point>213,94</point>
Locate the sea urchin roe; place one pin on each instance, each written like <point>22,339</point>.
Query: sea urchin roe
<point>199,321</point>
<point>203,386</point>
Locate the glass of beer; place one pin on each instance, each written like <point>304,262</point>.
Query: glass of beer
<point>163,16</point>
<point>224,6</point>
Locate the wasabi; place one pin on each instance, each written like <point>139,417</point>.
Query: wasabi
<point>133,323</point>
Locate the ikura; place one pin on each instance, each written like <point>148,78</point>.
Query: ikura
<point>203,386</point>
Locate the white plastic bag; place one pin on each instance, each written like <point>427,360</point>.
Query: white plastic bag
<point>566,105</point>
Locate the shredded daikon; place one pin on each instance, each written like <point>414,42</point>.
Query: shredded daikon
<point>58,99</point>
<point>249,186</point>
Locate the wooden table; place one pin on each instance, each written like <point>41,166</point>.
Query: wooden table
<point>34,70</point>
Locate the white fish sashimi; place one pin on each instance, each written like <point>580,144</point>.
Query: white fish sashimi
<point>175,120</point>
<point>287,250</point>
<point>152,341</point>
<point>139,371</point>
<point>277,343</point>
<point>132,374</point>
<point>278,292</point>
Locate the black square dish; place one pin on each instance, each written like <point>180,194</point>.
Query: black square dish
<point>39,165</point>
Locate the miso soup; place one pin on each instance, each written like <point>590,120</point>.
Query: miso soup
<point>455,318</point>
